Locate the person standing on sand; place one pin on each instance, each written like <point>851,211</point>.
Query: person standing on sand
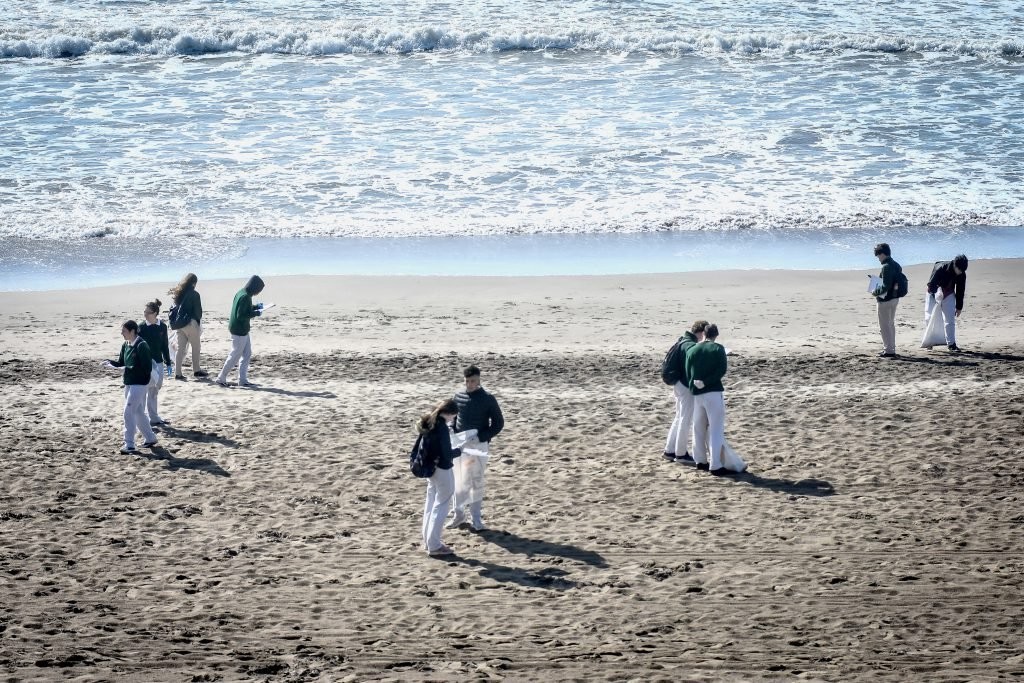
<point>137,362</point>
<point>154,333</point>
<point>681,431</point>
<point>435,437</point>
<point>950,278</point>
<point>706,365</point>
<point>887,297</point>
<point>478,410</point>
<point>242,312</point>
<point>190,313</point>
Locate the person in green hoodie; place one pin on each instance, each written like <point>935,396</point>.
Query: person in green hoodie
<point>137,361</point>
<point>242,312</point>
<point>706,365</point>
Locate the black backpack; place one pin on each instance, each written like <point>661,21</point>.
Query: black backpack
<point>421,464</point>
<point>672,366</point>
<point>902,285</point>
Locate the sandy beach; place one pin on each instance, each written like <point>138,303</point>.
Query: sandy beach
<point>273,534</point>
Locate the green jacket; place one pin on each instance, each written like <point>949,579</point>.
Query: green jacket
<point>706,361</point>
<point>137,361</point>
<point>242,311</point>
<point>686,342</point>
<point>890,270</point>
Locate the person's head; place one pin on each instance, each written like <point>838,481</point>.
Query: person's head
<point>698,328</point>
<point>129,330</point>
<point>152,310</point>
<point>882,251</point>
<point>445,410</point>
<point>187,283</point>
<point>960,264</point>
<point>711,332</point>
<point>472,375</point>
<point>254,286</point>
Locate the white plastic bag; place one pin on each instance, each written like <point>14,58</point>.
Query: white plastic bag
<point>731,460</point>
<point>934,329</point>
<point>470,467</point>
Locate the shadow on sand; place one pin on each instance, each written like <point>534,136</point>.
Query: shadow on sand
<point>285,392</point>
<point>530,547</point>
<point>550,578</point>
<point>803,487</point>
<point>197,436</point>
<point>174,464</point>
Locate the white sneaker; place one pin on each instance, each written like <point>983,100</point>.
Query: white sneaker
<point>456,522</point>
<point>478,525</point>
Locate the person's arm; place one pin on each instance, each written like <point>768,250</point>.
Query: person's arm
<point>165,348</point>
<point>933,279</point>
<point>197,307</point>
<point>888,275</point>
<point>960,288</point>
<point>143,356</point>
<point>723,364</point>
<point>495,422</point>
<point>119,363</point>
<point>445,451</point>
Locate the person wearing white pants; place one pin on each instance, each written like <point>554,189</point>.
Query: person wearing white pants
<point>242,312</point>
<point>435,438</point>
<point>680,433</point>
<point>137,362</point>
<point>950,278</point>
<point>154,332</point>
<point>706,365</point>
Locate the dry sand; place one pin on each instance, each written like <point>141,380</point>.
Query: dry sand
<point>274,533</point>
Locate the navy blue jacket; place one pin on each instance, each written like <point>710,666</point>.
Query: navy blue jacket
<point>438,443</point>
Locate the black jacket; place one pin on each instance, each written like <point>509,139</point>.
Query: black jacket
<point>479,410</point>
<point>155,337</point>
<point>945,278</point>
<point>438,445</point>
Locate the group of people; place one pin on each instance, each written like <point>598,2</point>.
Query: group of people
<point>472,418</point>
<point>944,291</point>
<point>698,363</point>
<point>145,355</point>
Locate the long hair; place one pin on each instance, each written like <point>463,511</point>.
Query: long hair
<point>187,284</point>
<point>429,420</point>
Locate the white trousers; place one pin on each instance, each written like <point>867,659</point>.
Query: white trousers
<point>241,350</point>
<point>681,432</point>
<point>440,489</point>
<point>709,427</point>
<point>948,308</point>
<point>135,414</point>
<point>156,382</point>
<point>189,334</point>
<point>887,324</point>
<point>471,480</point>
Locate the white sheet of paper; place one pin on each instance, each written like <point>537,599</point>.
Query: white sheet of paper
<point>874,283</point>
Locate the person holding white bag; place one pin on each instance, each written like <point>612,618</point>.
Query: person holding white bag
<point>154,333</point>
<point>946,288</point>
<point>706,365</point>
<point>479,411</point>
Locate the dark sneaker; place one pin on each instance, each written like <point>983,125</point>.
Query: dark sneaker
<point>954,348</point>
<point>149,444</point>
<point>200,373</point>
<point>702,466</point>
<point>223,384</point>
<point>128,450</point>
<point>883,354</point>
<point>180,377</point>
<point>685,457</point>
<point>719,472</point>
<point>669,456</point>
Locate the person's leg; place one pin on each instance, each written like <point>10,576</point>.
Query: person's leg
<point>460,482</point>
<point>129,419</point>
<point>156,380</point>
<point>243,366</point>
<point>684,440</point>
<point>673,431</point>
<point>478,474</point>
<point>195,333</point>
<point>142,422</point>
<point>179,355</point>
<point>700,430</point>
<point>715,407</point>
<point>428,507</point>
<point>949,318</point>
<point>237,345</point>
<point>887,324</point>
<point>444,486</point>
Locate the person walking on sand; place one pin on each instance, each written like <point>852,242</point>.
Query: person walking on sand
<point>137,362</point>
<point>187,319</point>
<point>706,365</point>
<point>887,297</point>
<point>242,312</point>
<point>681,431</point>
<point>154,333</point>
<point>478,410</point>
<point>435,438</point>
<point>949,278</point>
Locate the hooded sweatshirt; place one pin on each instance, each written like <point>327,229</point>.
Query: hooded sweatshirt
<point>242,310</point>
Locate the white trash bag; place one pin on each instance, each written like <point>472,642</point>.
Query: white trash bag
<point>731,460</point>
<point>470,467</point>
<point>934,328</point>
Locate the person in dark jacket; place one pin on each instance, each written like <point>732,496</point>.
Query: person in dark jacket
<point>946,287</point>
<point>478,410</point>
<point>154,333</point>
<point>887,299</point>
<point>435,437</point>
<point>190,309</point>
<point>680,432</point>
<point>706,365</point>
<point>137,362</point>
<point>242,311</point>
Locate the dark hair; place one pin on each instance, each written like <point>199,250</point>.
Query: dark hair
<point>429,420</point>
<point>187,283</point>
<point>153,306</point>
<point>699,326</point>
<point>882,248</point>
<point>711,331</point>
<point>471,371</point>
<point>960,262</point>
<point>131,326</point>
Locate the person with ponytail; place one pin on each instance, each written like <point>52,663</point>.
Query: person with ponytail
<point>189,315</point>
<point>154,332</point>
<point>435,438</point>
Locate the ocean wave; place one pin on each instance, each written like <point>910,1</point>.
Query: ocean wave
<point>337,40</point>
